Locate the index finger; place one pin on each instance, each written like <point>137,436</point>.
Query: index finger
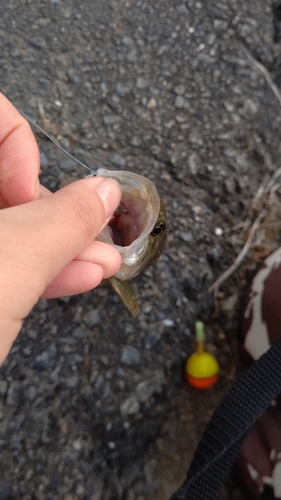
<point>19,157</point>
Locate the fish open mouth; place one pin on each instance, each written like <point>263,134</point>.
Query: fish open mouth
<point>128,220</point>
<point>121,227</point>
<point>132,222</point>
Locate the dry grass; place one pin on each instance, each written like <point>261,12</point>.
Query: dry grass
<point>259,233</point>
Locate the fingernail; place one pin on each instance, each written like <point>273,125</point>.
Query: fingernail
<point>109,193</point>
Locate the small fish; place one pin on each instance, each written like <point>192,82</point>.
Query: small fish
<point>137,228</point>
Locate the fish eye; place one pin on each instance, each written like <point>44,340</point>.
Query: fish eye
<point>159,229</point>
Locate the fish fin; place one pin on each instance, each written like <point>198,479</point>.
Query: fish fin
<point>127,294</point>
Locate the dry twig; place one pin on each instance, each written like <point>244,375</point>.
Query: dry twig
<point>264,201</point>
<point>215,286</point>
<point>265,72</point>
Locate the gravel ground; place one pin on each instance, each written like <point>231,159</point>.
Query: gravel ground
<point>93,402</point>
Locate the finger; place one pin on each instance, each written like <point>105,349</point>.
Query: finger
<point>43,191</point>
<point>40,238</point>
<point>103,254</point>
<point>76,277</point>
<point>98,261</point>
<point>19,157</point>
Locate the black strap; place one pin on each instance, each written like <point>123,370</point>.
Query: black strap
<point>248,398</point>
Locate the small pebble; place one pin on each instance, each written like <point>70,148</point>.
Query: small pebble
<point>65,142</point>
<point>142,83</point>
<point>122,89</point>
<point>147,388</point>
<point>13,394</point>
<point>3,387</point>
<point>111,119</point>
<point>77,445</point>
<point>68,165</point>
<point>130,355</point>
<point>168,322</point>
<point>117,160</point>
<point>130,406</point>
<point>99,382</point>
<point>104,87</point>
<point>194,163</point>
<point>218,231</point>
<point>31,393</point>
<point>186,236</point>
<point>71,382</point>
<point>44,162</point>
<point>80,333</point>
<point>27,351</point>
<point>151,339</point>
<point>181,102</point>
<point>152,103</point>
<point>135,141</point>
<point>180,89</point>
<point>92,318</point>
<point>46,359</point>
<point>128,41</point>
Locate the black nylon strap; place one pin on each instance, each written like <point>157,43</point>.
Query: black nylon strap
<point>248,398</point>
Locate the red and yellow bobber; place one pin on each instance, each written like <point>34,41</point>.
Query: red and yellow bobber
<point>201,368</point>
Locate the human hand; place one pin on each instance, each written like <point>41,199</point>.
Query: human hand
<point>46,240</point>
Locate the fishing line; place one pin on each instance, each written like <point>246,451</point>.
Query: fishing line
<point>92,172</point>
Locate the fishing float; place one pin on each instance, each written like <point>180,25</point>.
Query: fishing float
<point>201,368</point>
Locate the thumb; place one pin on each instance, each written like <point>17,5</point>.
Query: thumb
<point>38,239</point>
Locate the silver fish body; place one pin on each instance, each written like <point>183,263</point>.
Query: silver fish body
<point>138,227</point>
